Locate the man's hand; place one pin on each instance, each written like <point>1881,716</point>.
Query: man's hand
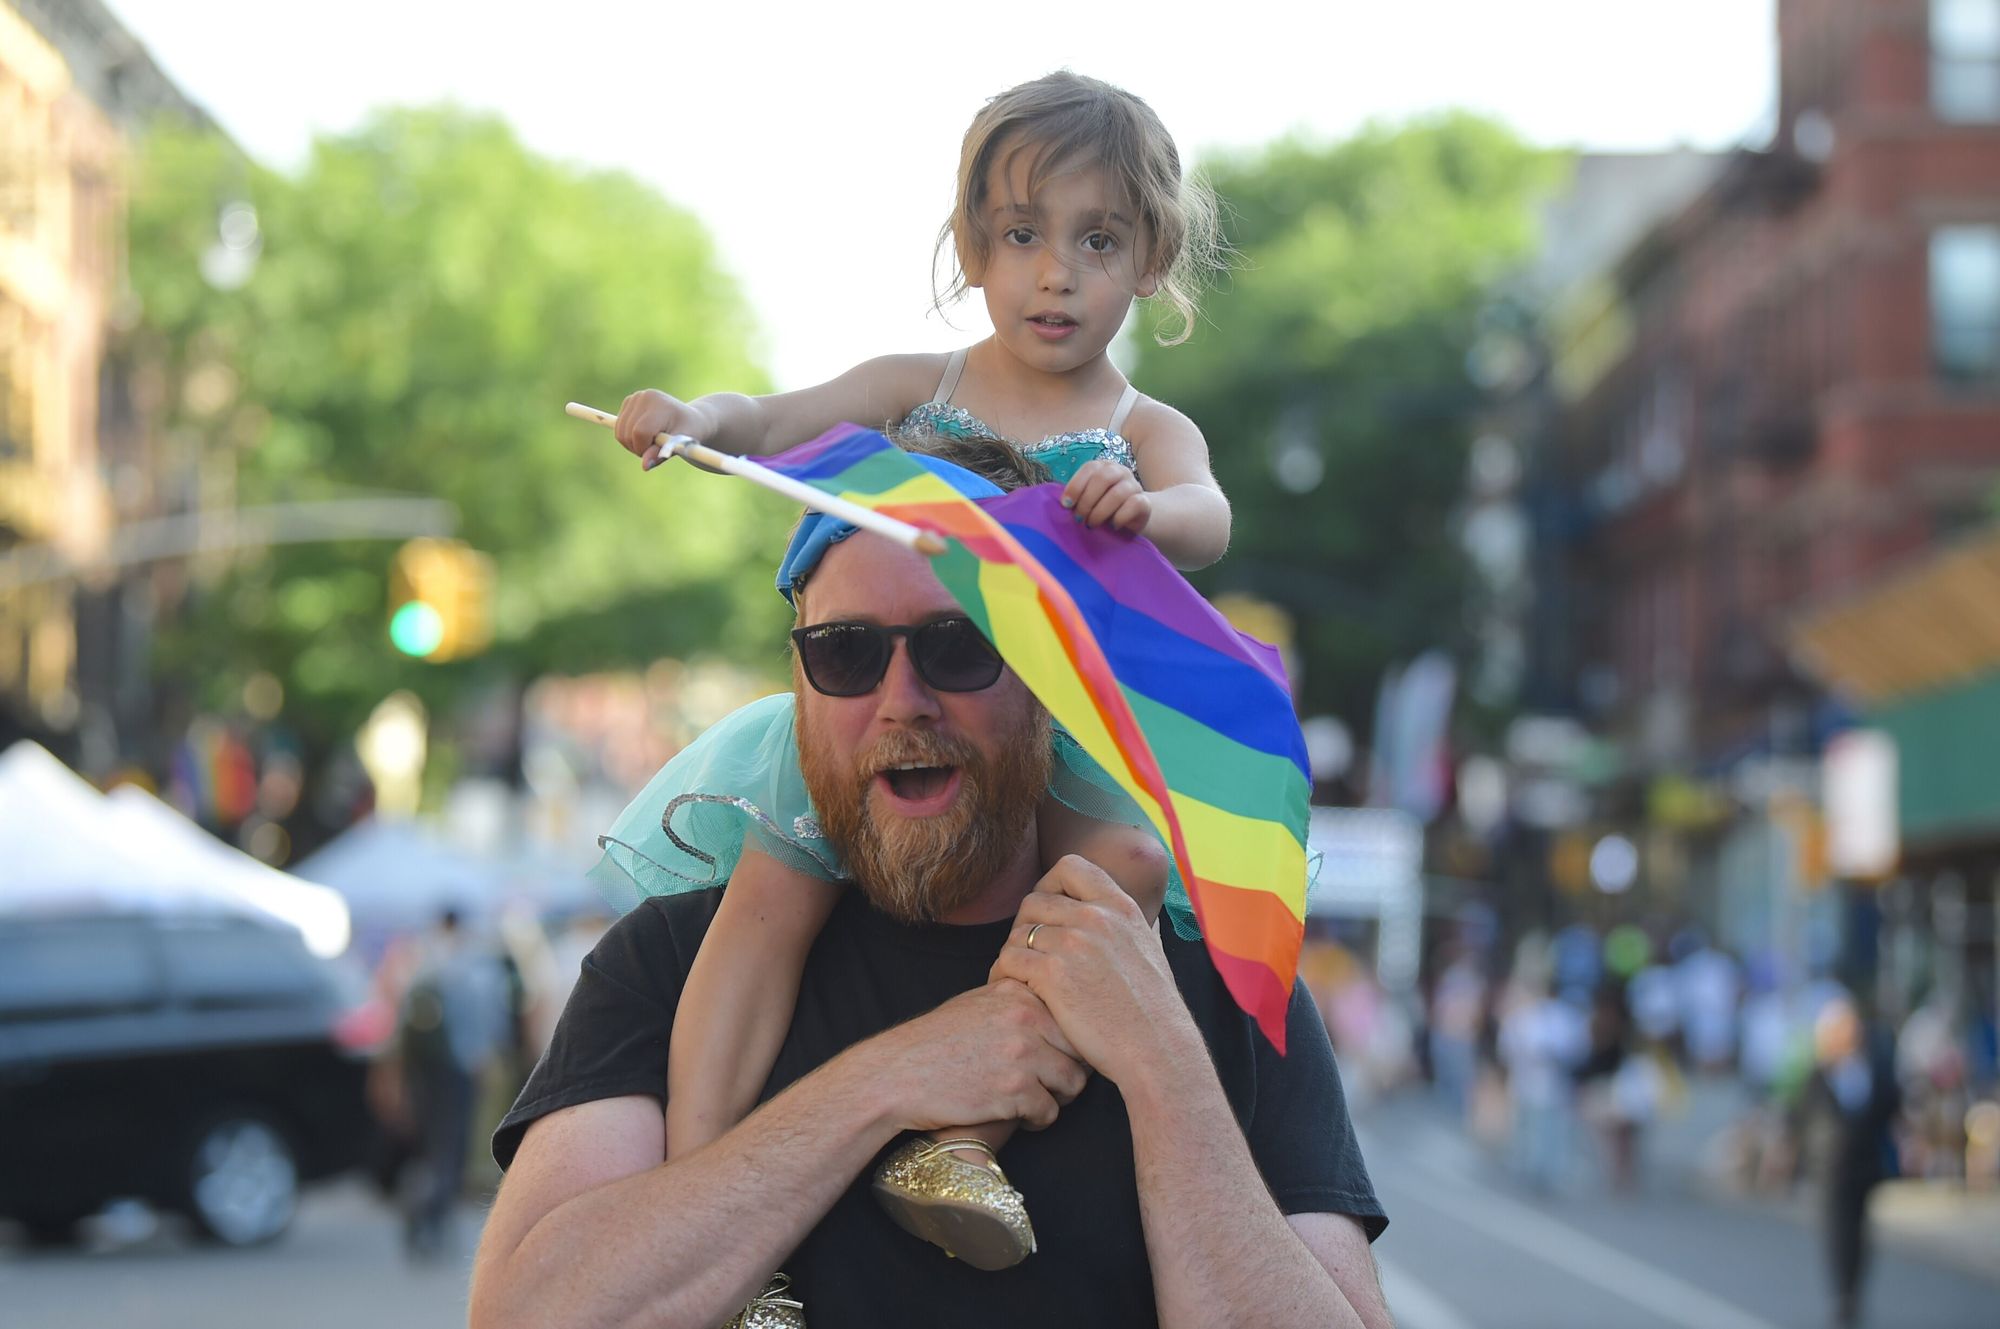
<point>991,1054</point>
<point>1097,965</point>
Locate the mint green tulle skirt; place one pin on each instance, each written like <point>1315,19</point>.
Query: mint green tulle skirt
<point>739,784</point>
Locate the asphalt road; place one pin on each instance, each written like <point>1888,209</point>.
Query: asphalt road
<point>340,1266</point>
<point>1468,1249</point>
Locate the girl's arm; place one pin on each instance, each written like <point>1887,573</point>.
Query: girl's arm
<point>740,994</point>
<point>873,393</point>
<point>1181,509</point>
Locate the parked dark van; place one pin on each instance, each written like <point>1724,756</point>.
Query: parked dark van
<point>208,1066</point>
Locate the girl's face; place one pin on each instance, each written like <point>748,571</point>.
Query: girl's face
<point>1065,264</point>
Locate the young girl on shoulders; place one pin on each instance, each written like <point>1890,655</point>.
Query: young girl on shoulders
<point>1071,203</point>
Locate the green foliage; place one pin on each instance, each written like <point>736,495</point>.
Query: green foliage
<point>428,295</point>
<point>1344,331</point>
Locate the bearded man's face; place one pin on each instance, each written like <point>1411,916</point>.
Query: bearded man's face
<point>928,795</point>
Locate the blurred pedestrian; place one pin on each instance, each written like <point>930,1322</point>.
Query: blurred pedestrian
<point>454,1023</point>
<point>554,974</point>
<point>1762,1141</point>
<point>1653,998</point>
<point>1846,1111</point>
<point>1710,986</point>
<point>1930,1068</point>
<point>1577,952</point>
<point>1606,1083</point>
<point>1542,1040</point>
<point>1458,1005</point>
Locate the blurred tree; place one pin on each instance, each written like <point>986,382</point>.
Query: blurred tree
<point>407,315</point>
<point>1331,379</point>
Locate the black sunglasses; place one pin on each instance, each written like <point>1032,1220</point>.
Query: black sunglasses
<point>849,659</point>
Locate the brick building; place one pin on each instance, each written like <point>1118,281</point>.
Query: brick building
<point>1788,386</point>
<point>73,454</point>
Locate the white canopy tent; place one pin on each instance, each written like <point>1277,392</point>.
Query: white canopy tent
<point>318,913</point>
<point>64,845</point>
<point>398,876</point>
<point>56,847</point>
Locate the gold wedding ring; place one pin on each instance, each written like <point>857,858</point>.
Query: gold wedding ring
<point>1030,943</point>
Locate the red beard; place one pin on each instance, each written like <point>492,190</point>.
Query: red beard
<point>919,869</point>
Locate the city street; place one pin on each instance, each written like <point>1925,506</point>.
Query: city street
<point>1507,496</point>
<point>1467,1249</point>
<point>341,1265</point>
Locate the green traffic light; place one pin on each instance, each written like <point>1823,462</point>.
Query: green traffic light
<point>416,628</point>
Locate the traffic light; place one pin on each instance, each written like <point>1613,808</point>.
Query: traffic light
<point>440,594</point>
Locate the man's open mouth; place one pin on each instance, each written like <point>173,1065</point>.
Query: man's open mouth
<point>918,783</point>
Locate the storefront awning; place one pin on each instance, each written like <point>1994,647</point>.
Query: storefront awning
<point>1920,654</point>
<point>1931,628</point>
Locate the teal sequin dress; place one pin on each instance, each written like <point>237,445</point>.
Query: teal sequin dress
<point>739,783</point>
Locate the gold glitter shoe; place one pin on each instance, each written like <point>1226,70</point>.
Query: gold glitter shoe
<point>770,1309</point>
<point>966,1208</point>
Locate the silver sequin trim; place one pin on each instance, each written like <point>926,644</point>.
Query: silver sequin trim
<point>804,828</point>
<point>960,423</point>
<point>1111,445</point>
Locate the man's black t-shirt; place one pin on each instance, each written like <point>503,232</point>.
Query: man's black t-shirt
<point>866,973</point>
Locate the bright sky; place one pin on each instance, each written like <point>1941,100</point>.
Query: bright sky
<point>819,141</point>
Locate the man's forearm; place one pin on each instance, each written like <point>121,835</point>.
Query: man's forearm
<point>1221,1252</point>
<point>687,1242</point>
<point>591,1229</point>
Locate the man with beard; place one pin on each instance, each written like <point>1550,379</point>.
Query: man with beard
<point>1196,1179</point>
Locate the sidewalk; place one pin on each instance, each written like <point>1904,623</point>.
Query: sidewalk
<point>1939,1222</point>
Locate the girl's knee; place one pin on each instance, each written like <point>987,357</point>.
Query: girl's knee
<point>1140,866</point>
<point>1131,856</point>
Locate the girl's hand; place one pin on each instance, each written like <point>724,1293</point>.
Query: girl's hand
<point>649,413</point>
<point>1104,492</point>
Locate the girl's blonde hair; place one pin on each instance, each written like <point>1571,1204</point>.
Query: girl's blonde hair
<point>1072,120</point>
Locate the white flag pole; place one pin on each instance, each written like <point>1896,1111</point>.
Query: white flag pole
<point>680,445</point>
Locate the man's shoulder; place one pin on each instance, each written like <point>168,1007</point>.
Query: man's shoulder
<point>675,923</point>
<point>1188,957</point>
<point>1208,999</point>
<point>1234,1039</point>
<point>680,910</point>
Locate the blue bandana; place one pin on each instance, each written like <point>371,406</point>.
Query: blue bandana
<point>818,532</point>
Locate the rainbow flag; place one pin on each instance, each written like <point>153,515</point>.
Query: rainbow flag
<point>1192,718</point>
